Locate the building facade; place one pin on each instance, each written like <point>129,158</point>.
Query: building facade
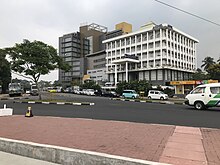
<point>74,46</point>
<point>157,53</point>
<point>71,49</point>
<point>96,67</point>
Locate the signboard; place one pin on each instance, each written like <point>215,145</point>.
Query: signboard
<point>197,82</point>
<point>181,82</point>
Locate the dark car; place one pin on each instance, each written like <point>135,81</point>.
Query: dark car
<point>109,94</point>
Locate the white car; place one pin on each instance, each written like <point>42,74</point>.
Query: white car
<point>90,92</point>
<point>155,94</point>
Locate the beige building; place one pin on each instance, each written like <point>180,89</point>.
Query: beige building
<point>125,27</point>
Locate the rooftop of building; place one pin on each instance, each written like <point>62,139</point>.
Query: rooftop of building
<point>149,27</point>
<point>94,26</point>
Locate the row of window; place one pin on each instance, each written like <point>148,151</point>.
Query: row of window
<point>95,71</point>
<point>150,64</point>
<point>99,66</point>
<point>158,44</point>
<point>132,51</point>
<point>131,40</point>
<point>99,60</point>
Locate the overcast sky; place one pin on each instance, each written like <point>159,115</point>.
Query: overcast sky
<point>46,20</point>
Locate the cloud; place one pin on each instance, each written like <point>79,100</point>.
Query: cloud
<point>46,20</point>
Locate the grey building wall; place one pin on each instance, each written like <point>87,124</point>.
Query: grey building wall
<point>70,48</point>
<point>74,47</point>
<point>96,66</point>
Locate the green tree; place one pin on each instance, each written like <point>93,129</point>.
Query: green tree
<point>214,72</point>
<point>218,60</point>
<point>90,85</point>
<point>33,59</point>
<point>207,62</point>
<point>199,75</point>
<point>56,83</point>
<point>5,71</point>
<point>75,82</point>
<point>138,86</point>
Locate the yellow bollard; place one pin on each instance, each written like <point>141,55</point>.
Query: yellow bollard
<point>29,112</point>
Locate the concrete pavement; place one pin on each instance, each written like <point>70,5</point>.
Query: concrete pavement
<point>111,140</point>
<point>12,159</point>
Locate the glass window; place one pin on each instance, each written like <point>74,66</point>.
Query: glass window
<point>215,90</point>
<point>198,90</point>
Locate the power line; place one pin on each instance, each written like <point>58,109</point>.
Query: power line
<point>194,15</point>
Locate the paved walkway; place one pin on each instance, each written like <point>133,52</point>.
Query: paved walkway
<point>11,159</point>
<point>159,143</point>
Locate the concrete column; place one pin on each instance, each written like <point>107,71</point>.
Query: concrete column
<point>116,76</point>
<point>126,71</point>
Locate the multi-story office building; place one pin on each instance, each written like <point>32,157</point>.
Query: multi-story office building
<point>157,53</point>
<point>74,46</point>
<point>71,49</point>
<point>96,67</point>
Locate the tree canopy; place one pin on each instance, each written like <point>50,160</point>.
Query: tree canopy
<point>33,59</point>
<point>199,75</point>
<point>207,62</point>
<point>5,71</point>
<point>214,71</point>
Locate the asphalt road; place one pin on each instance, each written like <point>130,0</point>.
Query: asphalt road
<point>106,109</point>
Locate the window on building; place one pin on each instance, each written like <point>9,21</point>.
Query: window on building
<point>144,37</point>
<point>122,51</point>
<point>133,40</point>
<point>122,43</point>
<point>127,41</point>
<point>113,45</point>
<point>157,34</point>
<point>151,45</point>
<point>150,36</point>
<point>118,43</point>
<point>138,38</point>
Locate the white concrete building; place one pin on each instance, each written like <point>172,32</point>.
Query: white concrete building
<point>157,53</point>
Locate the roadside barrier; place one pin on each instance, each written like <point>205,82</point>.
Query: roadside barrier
<point>29,113</point>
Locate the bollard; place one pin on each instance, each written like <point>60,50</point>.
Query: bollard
<point>29,112</point>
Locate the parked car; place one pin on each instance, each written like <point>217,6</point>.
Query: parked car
<point>90,92</point>
<point>130,94</point>
<point>155,94</point>
<point>15,89</point>
<point>68,90</point>
<point>34,90</point>
<point>109,94</point>
<point>204,96</point>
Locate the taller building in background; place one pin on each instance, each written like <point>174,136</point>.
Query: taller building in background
<point>74,46</point>
<point>157,53</point>
<point>124,26</point>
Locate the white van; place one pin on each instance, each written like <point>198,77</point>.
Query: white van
<point>204,96</point>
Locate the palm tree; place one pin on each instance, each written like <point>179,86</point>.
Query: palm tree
<point>207,62</point>
<point>218,60</point>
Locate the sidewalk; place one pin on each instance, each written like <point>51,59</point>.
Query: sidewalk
<point>11,159</point>
<point>158,143</point>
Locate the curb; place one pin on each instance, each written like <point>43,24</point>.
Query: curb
<point>64,155</point>
<point>16,98</point>
<point>147,101</point>
<point>57,103</point>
